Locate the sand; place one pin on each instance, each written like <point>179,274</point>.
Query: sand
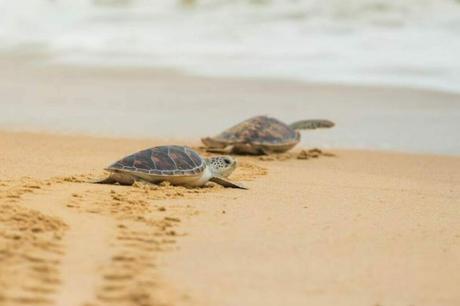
<point>357,228</point>
<point>128,102</point>
<point>350,227</point>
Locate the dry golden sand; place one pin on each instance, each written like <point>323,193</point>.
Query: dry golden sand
<point>66,242</point>
<point>355,228</point>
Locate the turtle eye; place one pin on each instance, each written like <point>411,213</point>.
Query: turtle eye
<point>227,162</point>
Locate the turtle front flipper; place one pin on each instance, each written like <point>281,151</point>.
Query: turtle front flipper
<point>311,124</point>
<point>226,183</point>
<point>114,178</point>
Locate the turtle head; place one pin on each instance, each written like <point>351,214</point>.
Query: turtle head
<point>221,165</point>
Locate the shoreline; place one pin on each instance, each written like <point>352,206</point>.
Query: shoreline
<point>193,142</point>
<point>41,61</point>
<point>352,229</point>
<point>362,210</point>
<point>146,103</point>
<point>56,60</point>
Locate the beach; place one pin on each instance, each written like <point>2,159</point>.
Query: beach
<point>40,95</point>
<point>350,228</point>
<point>362,214</point>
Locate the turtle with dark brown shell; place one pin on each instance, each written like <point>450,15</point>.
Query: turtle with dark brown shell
<point>178,165</point>
<point>262,135</point>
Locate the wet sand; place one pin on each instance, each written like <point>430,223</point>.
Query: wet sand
<point>126,102</point>
<point>357,228</point>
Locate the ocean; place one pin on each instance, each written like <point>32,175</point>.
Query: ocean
<point>411,44</point>
<point>408,43</point>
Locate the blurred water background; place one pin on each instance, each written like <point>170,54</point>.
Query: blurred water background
<point>380,43</point>
<point>414,43</point>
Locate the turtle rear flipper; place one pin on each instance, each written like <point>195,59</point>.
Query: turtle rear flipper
<point>213,143</point>
<point>226,183</point>
<point>224,150</point>
<point>114,178</point>
<point>311,124</point>
<point>215,146</point>
<point>107,180</point>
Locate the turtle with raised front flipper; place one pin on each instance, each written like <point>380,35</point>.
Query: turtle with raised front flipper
<point>261,135</point>
<point>175,164</point>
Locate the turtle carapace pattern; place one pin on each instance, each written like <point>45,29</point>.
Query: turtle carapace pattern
<point>261,135</point>
<point>178,165</point>
<point>163,160</point>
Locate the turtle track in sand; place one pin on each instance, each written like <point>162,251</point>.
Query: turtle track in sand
<point>45,230</point>
<point>79,264</point>
<point>143,228</point>
<point>31,248</point>
<point>46,227</point>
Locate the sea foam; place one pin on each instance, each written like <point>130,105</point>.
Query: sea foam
<point>413,43</point>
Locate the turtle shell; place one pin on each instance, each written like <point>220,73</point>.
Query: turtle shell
<point>162,161</point>
<point>260,130</point>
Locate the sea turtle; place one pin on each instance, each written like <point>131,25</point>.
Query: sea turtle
<point>261,135</point>
<point>176,164</point>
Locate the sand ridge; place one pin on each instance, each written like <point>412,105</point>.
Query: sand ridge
<point>31,248</point>
<point>79,263</point>
<point>53,231</point>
